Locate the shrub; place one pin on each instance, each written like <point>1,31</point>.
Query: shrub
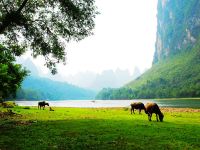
<point>27,107</point>
<point>8,104</point>
<point>126,108</point>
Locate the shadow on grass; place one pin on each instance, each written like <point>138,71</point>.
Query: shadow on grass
<point>99,134</point>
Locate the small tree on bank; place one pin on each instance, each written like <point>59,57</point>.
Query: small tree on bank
<point>43,25</point>
<point>11,75</point>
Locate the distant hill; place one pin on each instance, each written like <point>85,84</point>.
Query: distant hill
<point>29,65</point>
<point>37,88</point>
<point>178,76</point>
<point>88,79</point>
<point>176,66</point>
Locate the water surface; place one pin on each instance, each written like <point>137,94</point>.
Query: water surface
<point>182,103</point>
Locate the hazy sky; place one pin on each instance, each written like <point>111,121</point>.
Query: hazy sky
<point>124,37</point>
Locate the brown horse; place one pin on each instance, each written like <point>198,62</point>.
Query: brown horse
<point>137,105</point>
<point>42,104</point>
<point>153,108</point>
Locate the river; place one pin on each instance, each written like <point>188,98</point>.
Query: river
<point>182,103</point>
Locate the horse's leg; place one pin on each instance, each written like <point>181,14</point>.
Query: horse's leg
<point>139,111</point>
<point>145,111</point>
<point>131,110</point>
<point>157,117</point>
<point>149,115</point>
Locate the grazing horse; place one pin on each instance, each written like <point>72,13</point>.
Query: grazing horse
<point>137,105</point>
<point>42,104</point>
<point>153,108</point>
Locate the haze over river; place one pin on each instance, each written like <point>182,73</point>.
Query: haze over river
<point>190,103</point>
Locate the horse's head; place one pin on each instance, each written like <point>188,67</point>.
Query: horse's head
<point>161,116</point>
<point>47,104</point>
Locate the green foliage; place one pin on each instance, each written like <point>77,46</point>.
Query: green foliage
<point>27,107</point>
<point>8,104</point>
<point>178,21</point>
<point>175,77</point>
<point>42,26</point>
<point>11,75</point>
<point>115,94</point>
<point>76,128</point>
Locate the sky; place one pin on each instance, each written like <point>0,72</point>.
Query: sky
<point>124,37</point>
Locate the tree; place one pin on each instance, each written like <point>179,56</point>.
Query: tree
<point>11,75</point>
<point>44,25</point>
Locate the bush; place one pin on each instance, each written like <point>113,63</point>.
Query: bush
<point>126,108</point>
<point>8,104</point>
<point>27,107</point>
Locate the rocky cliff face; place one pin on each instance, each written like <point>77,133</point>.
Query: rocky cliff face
<point>178,43</point>
<point>178,27</point>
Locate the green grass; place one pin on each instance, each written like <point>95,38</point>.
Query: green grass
<point>113,128</point>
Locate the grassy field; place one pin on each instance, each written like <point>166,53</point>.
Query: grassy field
<point>103,128</point>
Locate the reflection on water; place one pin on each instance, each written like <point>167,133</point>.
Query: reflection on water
<point>194,103</point>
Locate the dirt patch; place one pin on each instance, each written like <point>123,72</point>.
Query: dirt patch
<point>23,123</point>
<point>167,109</point>
<point>164,109</point>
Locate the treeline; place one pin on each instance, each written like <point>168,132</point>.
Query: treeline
<point>154,89</point>
<point>115,93</point>
<point>30,94</point>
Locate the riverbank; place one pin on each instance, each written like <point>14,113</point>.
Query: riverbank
<point>188,98</point>
<point>98,128</point>
<point>173,110</point>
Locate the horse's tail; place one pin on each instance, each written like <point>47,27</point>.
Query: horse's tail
<point>38,105</point>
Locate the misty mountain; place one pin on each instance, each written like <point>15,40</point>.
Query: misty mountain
<point>175,71</point>
<point>88,79</point>
<point>37,88</point>
<point>29,65</point>
<point>82,79</point>
<point>106,79</point>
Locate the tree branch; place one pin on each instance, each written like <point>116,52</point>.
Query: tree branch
<point>10,16</point>
<point>5,23</point>
<point>5,6</point>
<point>22,6</point>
